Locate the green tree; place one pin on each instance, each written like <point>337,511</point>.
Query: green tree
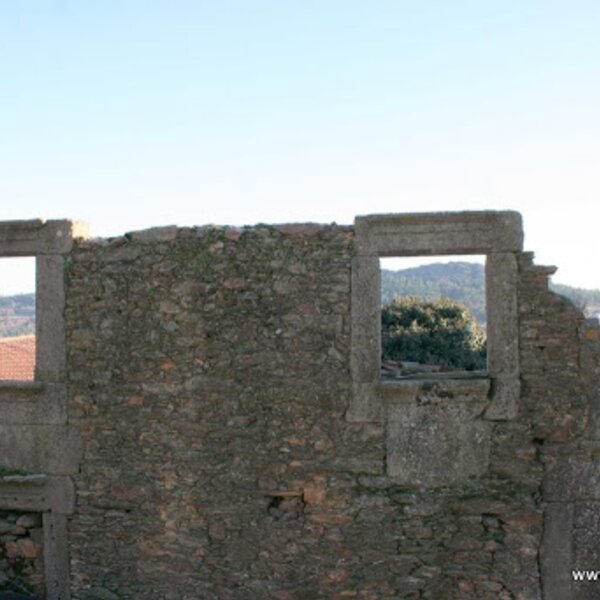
<point>441,332</point>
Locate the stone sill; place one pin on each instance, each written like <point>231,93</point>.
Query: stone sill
<point>23,480</point>
<point>37,493</point>
<point>13,391</point>
<point>475,387</point>
<point>437,375</point>
<point>32,403</point>
<point>25,387</point>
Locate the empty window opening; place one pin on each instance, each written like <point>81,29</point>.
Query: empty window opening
<point>433,316</point>
<point>17,319</point>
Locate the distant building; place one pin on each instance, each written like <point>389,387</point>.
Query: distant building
<point>17,358</point>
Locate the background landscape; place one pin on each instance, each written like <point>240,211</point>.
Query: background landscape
<point>465,282</point>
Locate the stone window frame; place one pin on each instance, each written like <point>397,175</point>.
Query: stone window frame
<point>54,498</point>
<point>496,234</point>
<point>47,242</point>
<point>34,431</point>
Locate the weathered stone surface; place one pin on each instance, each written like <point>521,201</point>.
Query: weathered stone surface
<point>29,520</point>
<point>366,319</point>
<point>37,237</point>
<point>56,556</point>
<point>215,442</point>
<point>556,552</point>
<point>498,235</point>
<point>573,477</point>
<point>503,333</point>
<point>99,593</point>
<point>33,404</point>
<point>21,560</point>
<point>226,353</point>
<point>229,436</point>
<point>437,440</point>
<point>166,233</point>
<point>421,234</point>
<point>559,358</point>
<point>365,406</point>
<point>37,493</point>
<point>49,310</point>
<point>53,449</point>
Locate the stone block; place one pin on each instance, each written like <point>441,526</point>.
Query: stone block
<point>52,449</point>
<point>56,557</point>
<point>366,320</point>
<point>37,493</point>
<point>503,334</point>
<point>50,329</point>
<point>556,560</point>
<point>37,237</point>
<point>427,234</point>
<point>475,389</point>
<point>166,233</point>
<point>573,477</point>
<point>33,404</point>
<point>364,404</point>
<point>437,441</point>
<point>506,393</point>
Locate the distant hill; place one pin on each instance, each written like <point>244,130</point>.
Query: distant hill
<point>17,315</point>
<point>586,300</point>
<point>465,282</point>
<point>461,281</point>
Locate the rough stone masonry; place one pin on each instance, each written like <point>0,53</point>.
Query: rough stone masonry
<point>208,421</point>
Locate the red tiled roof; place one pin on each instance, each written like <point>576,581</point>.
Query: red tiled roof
<point>17,358</point>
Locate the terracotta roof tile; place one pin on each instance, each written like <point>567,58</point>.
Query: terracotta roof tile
<point>17,358</point>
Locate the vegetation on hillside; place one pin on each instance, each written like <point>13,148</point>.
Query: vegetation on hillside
<point>460,281</point>
<point>465,283</point>
<point>435,314</point>
<point>441,332</point>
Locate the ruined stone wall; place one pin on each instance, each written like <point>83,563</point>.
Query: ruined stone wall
<point>560,370</point>
<point>209,379</point>
<point>209,375</point>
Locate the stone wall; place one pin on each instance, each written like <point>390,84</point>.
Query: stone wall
<point>21,560</point>
<point>560,370</point>
<point>228,450</point>
<point>209,378</point>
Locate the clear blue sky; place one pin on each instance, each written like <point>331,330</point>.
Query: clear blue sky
<point>129,114</point>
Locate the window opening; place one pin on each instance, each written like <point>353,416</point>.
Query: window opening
<point>433,316</point>
<point>17,319</point>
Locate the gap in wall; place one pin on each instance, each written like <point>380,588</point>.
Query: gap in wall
<point>433,316</point>
<point>17,319</point>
